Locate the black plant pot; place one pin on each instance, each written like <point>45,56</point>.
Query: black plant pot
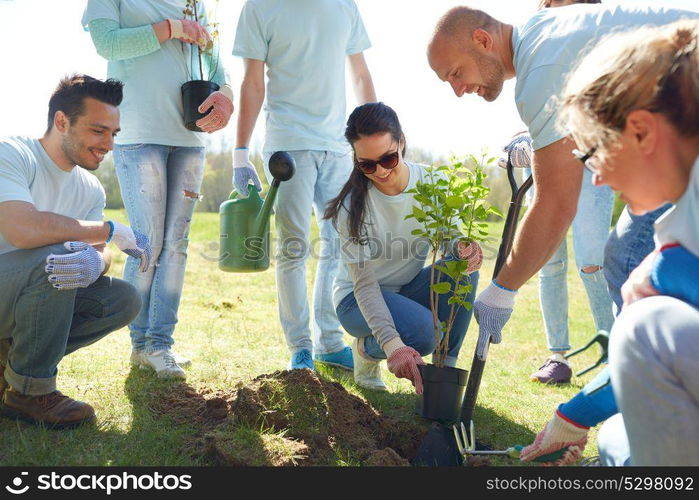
<point>443,393</point>
<point>194,93</point>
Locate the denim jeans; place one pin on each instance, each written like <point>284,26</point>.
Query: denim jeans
<point>319,178</point>
<point>613,443</point>
<point>40,324</point>
<point>411,313</point>
<point>654,365</point>
<point>160,187</point>
<point>590,232</point>
<point>628,244</point>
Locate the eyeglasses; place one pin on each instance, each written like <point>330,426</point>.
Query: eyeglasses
<point>588,160</point>
<point>389,161</point>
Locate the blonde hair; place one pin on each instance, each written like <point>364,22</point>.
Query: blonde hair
<point>652,68</point>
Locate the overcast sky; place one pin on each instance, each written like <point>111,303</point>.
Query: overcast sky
<point>43,40</point>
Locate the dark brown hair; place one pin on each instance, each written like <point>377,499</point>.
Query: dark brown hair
<point>367,119</point>
<point>72,90</point>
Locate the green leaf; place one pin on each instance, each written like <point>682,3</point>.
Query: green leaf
<point>441,288</point>
<point>454,201</point>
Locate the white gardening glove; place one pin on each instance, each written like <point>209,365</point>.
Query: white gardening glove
<point>492,308</point>
<point>519,150</point>
<point>78,269</point>
<point>222,103</point>
<point>244,172</point>
<point>559,435</point>
<point>189,31</point>
<point>131,242</point>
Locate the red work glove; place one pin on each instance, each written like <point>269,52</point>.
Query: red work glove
<point>471,252</point>
<point>222,105</point>
<point>403,362</point>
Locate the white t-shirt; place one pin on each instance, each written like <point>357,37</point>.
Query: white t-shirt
<point>680,224</point>
<point>548,46</point>
<point>397,256</point>
<point>27,173</point>
<point>305,44</point>
<point>152,109</point>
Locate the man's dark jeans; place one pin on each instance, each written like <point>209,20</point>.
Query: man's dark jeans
<point>40,324</point>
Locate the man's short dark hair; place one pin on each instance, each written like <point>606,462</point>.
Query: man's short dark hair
<point>72,90</point>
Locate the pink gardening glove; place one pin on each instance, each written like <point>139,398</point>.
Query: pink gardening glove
<point>403,364</point>
<point>188,31</point>
<point>558,434</point>
<point>638,285</point>
<point>471,252</point>
<point>220,114</point>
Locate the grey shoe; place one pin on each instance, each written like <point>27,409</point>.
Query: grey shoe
<point>137,358</point>
<point>162,362</point>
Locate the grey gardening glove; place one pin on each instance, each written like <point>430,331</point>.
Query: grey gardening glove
<point>244,172</point>
<point>492,308</point>
<point>78,269</point>
<point>131,242</point>
<point>519,150</point>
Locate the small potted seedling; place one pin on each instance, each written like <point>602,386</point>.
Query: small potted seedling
<point>452,208</point>
<point>200,86</point>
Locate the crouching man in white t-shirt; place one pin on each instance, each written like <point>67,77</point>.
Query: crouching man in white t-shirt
<point>54,297</point>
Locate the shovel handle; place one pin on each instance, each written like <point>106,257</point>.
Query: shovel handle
<point>508,236</point>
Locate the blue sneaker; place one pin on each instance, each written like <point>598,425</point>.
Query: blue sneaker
<point>340,359</point>
<point>301,359</point>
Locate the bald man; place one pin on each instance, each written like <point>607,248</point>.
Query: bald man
<point>476,53</point>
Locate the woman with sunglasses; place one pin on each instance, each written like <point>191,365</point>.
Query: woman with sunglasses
<point>381,293</point>
<point>632,105</point>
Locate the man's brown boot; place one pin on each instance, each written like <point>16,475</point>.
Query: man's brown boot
<point>54,410</point>
<point>3,383</point>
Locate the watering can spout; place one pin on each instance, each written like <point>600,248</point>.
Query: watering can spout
<point>281,166</point>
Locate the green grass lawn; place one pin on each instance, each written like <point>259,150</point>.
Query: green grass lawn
<point>229,327</point>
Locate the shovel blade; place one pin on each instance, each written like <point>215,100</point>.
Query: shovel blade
<point>438,449</point>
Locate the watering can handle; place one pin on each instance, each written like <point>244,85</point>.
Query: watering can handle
<point>251,189</point>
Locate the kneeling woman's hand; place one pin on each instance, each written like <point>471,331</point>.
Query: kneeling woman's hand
<point>472,252</point>
<point>403,361</point>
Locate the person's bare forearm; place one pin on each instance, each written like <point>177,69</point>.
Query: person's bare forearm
<point>106,257</point>
<point>558,178</point>
<point>364,88</point>
<point>540,233</point>
<point>361,79</point>
<point>162,31</point>
<point>25,227</point>
<point>252,95</point>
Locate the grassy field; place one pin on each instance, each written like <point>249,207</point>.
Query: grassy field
<point>229,327</point>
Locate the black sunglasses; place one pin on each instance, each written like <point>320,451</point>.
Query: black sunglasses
<point>389,161</point>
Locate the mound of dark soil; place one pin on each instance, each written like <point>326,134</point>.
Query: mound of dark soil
<point>306,421</point>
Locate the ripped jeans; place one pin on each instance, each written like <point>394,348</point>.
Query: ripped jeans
<point>160,187</point>
<point>590,233</point>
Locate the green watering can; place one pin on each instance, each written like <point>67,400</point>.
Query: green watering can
<point>244,222</point>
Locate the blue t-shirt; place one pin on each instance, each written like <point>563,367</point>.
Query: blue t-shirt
<point>28,174</point>
<point>548,46</point>
<point>151,111</point>
<point>304,44</point>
